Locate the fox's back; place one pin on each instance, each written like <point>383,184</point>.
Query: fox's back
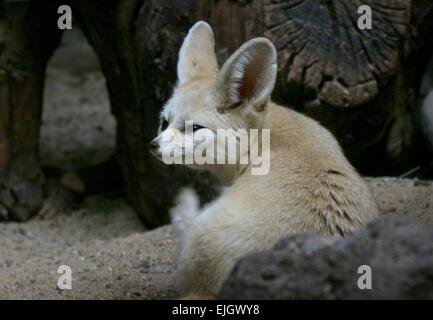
<point>311,187</point>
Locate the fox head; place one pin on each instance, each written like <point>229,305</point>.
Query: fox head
<point>207,98</point>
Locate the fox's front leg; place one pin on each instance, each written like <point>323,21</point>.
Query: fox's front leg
<point>206,250</point>
<point>200,269</point>
<point>210,249</point>
<point>192,266</point>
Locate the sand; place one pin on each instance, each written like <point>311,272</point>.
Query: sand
<point>112,256</point>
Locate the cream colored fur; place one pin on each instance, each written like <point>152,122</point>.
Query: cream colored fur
<point>311,187</point>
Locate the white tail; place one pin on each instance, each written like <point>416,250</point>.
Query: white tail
<point>185,210</point>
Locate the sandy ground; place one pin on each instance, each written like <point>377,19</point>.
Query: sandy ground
<point>110,254</point>
<point>113,257</point>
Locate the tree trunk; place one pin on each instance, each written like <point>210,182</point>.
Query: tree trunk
<point>28,36</point>
<point>362,85</point>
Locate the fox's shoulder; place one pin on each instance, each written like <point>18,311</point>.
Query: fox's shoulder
<point>285,125</point>
<point>286,117</point>
<point>291,127</point>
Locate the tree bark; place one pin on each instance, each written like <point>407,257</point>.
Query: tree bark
<point>28,37</point>
<point>361,85</point>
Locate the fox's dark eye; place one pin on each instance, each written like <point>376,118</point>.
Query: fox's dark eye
<point>164,124</point>
<point>197,127</point>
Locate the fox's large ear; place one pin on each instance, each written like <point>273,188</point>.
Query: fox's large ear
<point>197,57</point>
<point>249,74</point>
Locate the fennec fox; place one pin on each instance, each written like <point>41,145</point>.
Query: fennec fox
<point>310,187</point>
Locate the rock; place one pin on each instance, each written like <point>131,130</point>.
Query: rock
<point>398,250</point>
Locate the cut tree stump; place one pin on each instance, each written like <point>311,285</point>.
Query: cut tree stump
<point>361,84</point>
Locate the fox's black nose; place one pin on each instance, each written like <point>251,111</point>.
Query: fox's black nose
<point>154,145</point>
